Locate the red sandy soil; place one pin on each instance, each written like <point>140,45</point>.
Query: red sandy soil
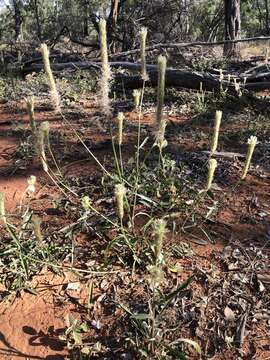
<point>30,324</point>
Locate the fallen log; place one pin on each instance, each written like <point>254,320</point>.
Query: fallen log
<point>174,77</point>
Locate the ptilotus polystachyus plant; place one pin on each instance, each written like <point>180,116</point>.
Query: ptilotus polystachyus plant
<point>136,98</point>
<point>104,82</point>
<point>55,97</point>
<point>214,143</point>
<point>45,129</point>
<point>31,181</point>
<point>156,270</point>
<point>120,192</point>
<point>30,109</point>
<point>2,208</point>
<point>162,63</point>
<point>120,121</point>
<point>212,164</point>
<point>252,142</point>
<point>143,35</point>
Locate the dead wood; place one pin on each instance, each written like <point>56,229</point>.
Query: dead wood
<point>174,77</point>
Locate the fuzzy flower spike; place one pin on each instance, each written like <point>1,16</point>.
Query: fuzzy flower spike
<point>120,120</point>
<point>252,142</point>
<point>55,97</point>
<point>143,34</point>
<point>216,131</point>
<point>120,192</point>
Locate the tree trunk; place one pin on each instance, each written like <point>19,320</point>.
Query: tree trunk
<point>36,4</point>
<point>17,18</point>
<point>232,27</point>
<point>85,19</point>
<point>266,16</point>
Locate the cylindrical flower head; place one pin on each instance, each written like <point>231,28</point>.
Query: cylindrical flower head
<point>104,82</point>
<point>136,98</point>
<point>120,120</point>
<point>143,34</point>
<point>120,191</point>
<point>211,171</point>
<point>31,183</point>
<point>162,63</point>
<point>45,128</point>
<point>216,131</point>
<point>47,67</point>
<point>2,207</point>
<point>30,110</point>
<point>252,142</point>
<point>103,48</point>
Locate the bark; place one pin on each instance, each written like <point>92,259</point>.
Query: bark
<point>17,6</point>
<point>85,18</point>
<point>39,32</point>
<point>232,27</point>
<point>266,5</point>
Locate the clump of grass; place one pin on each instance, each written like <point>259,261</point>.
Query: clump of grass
<point>143,35</point>
<point>252,142</point>
<point>162,63</point>
<point>216,131</point>
<point>106,72</point>
<point>55,97</point>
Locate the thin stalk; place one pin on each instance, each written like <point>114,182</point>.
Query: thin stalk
<point>116,157</point>
<point>86,147</point>
<point>138,154</point>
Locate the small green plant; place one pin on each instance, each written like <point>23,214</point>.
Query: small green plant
<point>74,337</point>
<point>74,333</point>
<point>201,104</point>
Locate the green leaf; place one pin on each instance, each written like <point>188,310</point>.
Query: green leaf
<point>77,338</point>
<point>168,298</point>
<point>141,316</point>
<point>31,291</point>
